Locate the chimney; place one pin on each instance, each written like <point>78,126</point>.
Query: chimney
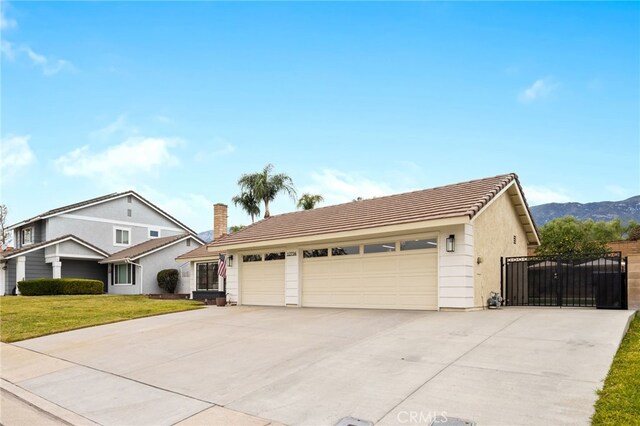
<point>219,220</point>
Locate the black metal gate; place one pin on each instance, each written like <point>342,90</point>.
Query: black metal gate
<point>597,280</point>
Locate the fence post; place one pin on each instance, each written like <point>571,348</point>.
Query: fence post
<point>502,293</point>
<point>625,283</point>
<point>558,282</point>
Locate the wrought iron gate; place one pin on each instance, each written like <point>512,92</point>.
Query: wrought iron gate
<point>597,280</point>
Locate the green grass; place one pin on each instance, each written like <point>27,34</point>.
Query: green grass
<point>25,317</point>
<point>619,402</point>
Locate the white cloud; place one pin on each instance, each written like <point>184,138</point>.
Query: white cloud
<point>7,50</point>
<point>6,23</point>
<point>339,187</point>
<point>116,126</point>
<point>119,164</point>
<point>48,65</point>
<point>539,89</point>
<point>543,195</point>
<point>15,155</point>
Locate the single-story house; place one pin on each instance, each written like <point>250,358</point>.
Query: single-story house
<point>432,249</point>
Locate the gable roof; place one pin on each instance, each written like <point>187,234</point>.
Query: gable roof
<point>147,247</point>
<point>99,200</point>
<point>33,247</point>
<point>201,253</point>
<point>461,200</point>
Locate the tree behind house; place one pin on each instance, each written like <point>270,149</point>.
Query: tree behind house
<point>265,186</point>
<point>568,235</point>
<point>309,201</point>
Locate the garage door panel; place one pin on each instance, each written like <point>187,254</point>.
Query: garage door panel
<point>263,283</point>
<point>398,280</point>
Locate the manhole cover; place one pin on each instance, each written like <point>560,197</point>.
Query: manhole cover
<point>451,421</point>
<point>351,421</point>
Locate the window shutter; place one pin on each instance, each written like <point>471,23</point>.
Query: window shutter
<point>133,274</point>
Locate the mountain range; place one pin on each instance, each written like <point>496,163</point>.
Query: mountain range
<point>624,210</point>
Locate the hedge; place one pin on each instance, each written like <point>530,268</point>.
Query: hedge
<point>52,286</point>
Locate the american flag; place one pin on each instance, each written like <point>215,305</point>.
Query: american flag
<point>222,266</point>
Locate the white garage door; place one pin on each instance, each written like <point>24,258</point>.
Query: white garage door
<point>262,281</point>
<point>378,276</point>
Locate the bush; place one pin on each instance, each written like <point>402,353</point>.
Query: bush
<point>168,279</point>
<point>53,286</point>
<point>634,233</point>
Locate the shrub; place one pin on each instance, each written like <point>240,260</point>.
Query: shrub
<point>168,279</point>
<point>53,286</point>
<point>634,233</point>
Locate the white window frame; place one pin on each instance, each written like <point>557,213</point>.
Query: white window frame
<point>151,230</point>
<point>22,240</point>
<point>120,228</point>
<point>114,274</point>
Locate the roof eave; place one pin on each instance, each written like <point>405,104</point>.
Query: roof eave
<point>343,235</point>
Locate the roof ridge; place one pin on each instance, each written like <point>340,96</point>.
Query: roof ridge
<point>461,199</point>
<point>380,198</point>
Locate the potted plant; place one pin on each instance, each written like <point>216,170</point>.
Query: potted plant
<point>221,301</point>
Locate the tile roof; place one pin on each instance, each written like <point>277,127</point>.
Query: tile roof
<point>91,201</point>
<point>457,200</point>
<point>203,251</point>
<point>15,252</point>
<point>199,253</point>
<point>137,251</point>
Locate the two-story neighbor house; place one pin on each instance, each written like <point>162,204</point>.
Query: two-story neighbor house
<point>121,239</point>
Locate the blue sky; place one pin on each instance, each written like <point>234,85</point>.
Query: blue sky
<point>176,100</point>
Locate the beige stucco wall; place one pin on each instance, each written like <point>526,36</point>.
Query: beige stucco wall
<point>494,229</point>
<point>633,281</point>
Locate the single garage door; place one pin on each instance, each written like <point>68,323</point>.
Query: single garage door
<point>262,279</point>
<point>391,275</point>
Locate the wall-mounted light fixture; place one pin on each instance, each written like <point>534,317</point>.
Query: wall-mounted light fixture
<point>451,243</point>
<point>230,261</point>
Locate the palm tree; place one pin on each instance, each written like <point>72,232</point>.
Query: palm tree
<point>265,186</point>
<point>249,203</point>
<point>308,201</point>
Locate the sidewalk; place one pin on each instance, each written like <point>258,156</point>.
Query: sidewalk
<point>115,400</point>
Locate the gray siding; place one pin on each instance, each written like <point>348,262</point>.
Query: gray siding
<point>165,259</point>
<point>39,233</point>
<point>87,269</point>
<point>11,276</point>
<point>35,266</point>
<point>100,233</point>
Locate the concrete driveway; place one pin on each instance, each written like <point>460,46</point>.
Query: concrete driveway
<point>315,366</point>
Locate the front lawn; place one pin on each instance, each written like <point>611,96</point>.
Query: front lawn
<point>619,402</point>
<point>23,317</point>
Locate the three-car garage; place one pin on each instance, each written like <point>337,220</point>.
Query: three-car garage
<point>394,273</point>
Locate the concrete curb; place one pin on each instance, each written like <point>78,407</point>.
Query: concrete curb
<point>62,414</point>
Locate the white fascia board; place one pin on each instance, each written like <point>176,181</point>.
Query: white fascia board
<point>115,197</point>
<point>346,235</point>
<point>22,253</point>
<point>521,198</point>
<point>155,250</point>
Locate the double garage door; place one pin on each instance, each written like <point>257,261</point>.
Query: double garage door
<point>389,280</point>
